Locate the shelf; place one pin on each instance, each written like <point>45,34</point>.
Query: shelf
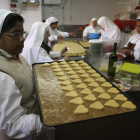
<point>30,4</point>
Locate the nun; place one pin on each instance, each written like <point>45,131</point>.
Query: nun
<point>92,28</point>
<point>109,29</point>
<point>54,33</point>
<point>36,48</point>
<point>19,109</point>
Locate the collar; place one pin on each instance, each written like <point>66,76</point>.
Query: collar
<point>9,56</point>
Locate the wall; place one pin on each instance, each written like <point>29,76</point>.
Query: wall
<point>31,14</point>
<point>78,12</point>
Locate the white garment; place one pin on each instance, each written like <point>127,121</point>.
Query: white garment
<point>135,39</point>
<point>91,29</point>
<point>110,29</point>
<point>54,32</point>
<point>19,124</point>
<point>32,50</point>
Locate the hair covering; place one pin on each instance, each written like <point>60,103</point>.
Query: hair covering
<point>110,29</point>
<point>3,14</point>
<point>138,17</point>
<point>93,19</point>
<point>34,41</point>
<point>51,20</point>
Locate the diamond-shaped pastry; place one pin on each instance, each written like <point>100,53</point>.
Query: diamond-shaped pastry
<point>72,94</point>
<point>97,105</point>
<point>68,88</point>
<point>101,79</point>
<point>67,82</point>
<point>90,97</point>
<point>91,71</point>
<point>99,90</point>
<point>128,105</point>
<point>71,62</point>
<point>120,97</point>
<point>106,84</point>
<point>82,85</point>
<point>111,103</point>
<point>62,78</point>
<point>84,64</point>
<point>77,68</point>
<point>113,90</point>
<point>55,66</point>
<point>67,69</point>
<point>81,109</point>
<point>74,76</point>
<point>70,72</point>
<point>65,66</point>
<point>74,65</point>
<point>78,81</point>
<point>86,91</point>
<point>46,65</point>
<point>87,68</point>
<point>80,62</point>
<point>54,63</point>
<point>77,100</point>
<point>104,96</point>
<point>96,75</point>
<point>57,70</point>
<point>59,73</point>
<point>93,84</point>
<point>88,80</point>
<point>84,75</point>
<point>63,63</point>
<point>81,71</point>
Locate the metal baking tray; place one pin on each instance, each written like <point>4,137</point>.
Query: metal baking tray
<point>129,98</point>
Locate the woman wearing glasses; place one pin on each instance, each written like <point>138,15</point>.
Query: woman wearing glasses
<point>18,104</point>
<point>35,46</point>
<point>132,47</point>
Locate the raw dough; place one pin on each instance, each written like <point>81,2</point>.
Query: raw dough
<point>57,70</point>
<point>65,66</point>
<point>96,75</point>
<point>113,90</point>
<point>46,65</point>
<point>74,65</point>
<point>62,78</point>
<point>90,97</point>
<point>68,88</point>
<point>128,105</point>
<point>87,67</point>
<point>106,84</point>
<point>74,47</point>
<point>63,63</point>
<point>104,96</point>
<point>77,68</point>
<point>81,71</point>
<point>86,91</point>
<point>89,80</point>
<point>77,100</point>
<point>93,84</point>
<point>97,105</point>
<point>120,97</point>
<point>59,73</point>
<point>74,76</point>
<point>72,94</point>
<point>67,69</point>
<point>78,81</point>
<point>84,75</point>
<point>55,66</point>
<point>99,90</point>
<point>80,61</point>
<point>82,85</point>
<point>71,62</point>
<point>91,71</point>
<point>70,72</point>
<point>84,64</point>
<point>101,79</point>
<point>67,82</point>
<point>54,63</point>
<point>111,103</point>
<point>81,109</point>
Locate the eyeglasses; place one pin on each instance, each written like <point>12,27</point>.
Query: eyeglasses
<point>137,26</point>
<point>16,35</point>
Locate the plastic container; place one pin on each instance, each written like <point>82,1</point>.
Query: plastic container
<point>95,45</point>
<point>108,44</point>
<point>104,65</point>
<point>130,69</point>
<point>94,35</point>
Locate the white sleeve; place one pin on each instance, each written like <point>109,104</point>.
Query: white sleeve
<point>43,56</point>
<point>53,38</point>
<point>14,122</point>
<point>55,54</point>
<point>63,34</point>
<point>137,55</point>
<point>130,39</point>
<point>85,32</point>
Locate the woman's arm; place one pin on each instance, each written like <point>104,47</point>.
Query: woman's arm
<point>14,122</point>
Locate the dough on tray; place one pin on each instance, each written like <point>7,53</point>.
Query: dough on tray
<point>46,65</point>
<point>128,105</point>
<point>104,96</point>
<point>111,103</point>
<point>97,105</point>
<point>81,109</point>
<point>67,82</point>
<point>90,97</point>
<point>72,94</point>
<point>77,100</point>
<point>86,91</point>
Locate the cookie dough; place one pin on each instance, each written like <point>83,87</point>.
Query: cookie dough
<point>62,78</point>
<point>78,81</point>
<point>91,71</point>
<point>70,72</point>
<point>106,84</point>
<point>128,105</point>
<point>82,85</point>
<point>101,79</point>
<point>57,70</point>
<point>74,76</point>
<point>96,75</point>
<point>90,97</point>
<point>81,71</point>
<point>59,73</point>
<point>113,90</point>
<point>67,82</point>
<point>99,90</point>
<point>86,91</point>
<point>84,75</point>
<point>111,103</point>
<point>77,100</point>
<point>46,65</point>
<point>72,94</point>
<point>104,96</point>
<point>120,97</point>
<point>88,80</point>
<point>97,105</point>
<point>68,88</point>
<point>81,109</point>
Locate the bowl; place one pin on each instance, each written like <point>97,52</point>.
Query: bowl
<point>94,35</point>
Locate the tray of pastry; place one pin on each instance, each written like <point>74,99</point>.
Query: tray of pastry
<point>75,91</point>
<point>74,48</point>
<point>84,43</point>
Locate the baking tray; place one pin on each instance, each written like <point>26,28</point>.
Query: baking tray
<point>56,125</point>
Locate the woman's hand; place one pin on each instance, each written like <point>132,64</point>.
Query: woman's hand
<point>66,58</point>
<point>60,37</point>
<point>72,34</point>
<point>125,51</point>
<point>122,48</point>
<point>64,50</point>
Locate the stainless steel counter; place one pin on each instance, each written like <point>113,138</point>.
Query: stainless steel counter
<point>97,58</point>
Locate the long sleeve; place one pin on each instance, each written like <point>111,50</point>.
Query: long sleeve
<point>137,55</point>
<point>63,34</point>
<point>85,32</point>
<point>14,122</point>
<point>43,56</point>
<point>55,54</point>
